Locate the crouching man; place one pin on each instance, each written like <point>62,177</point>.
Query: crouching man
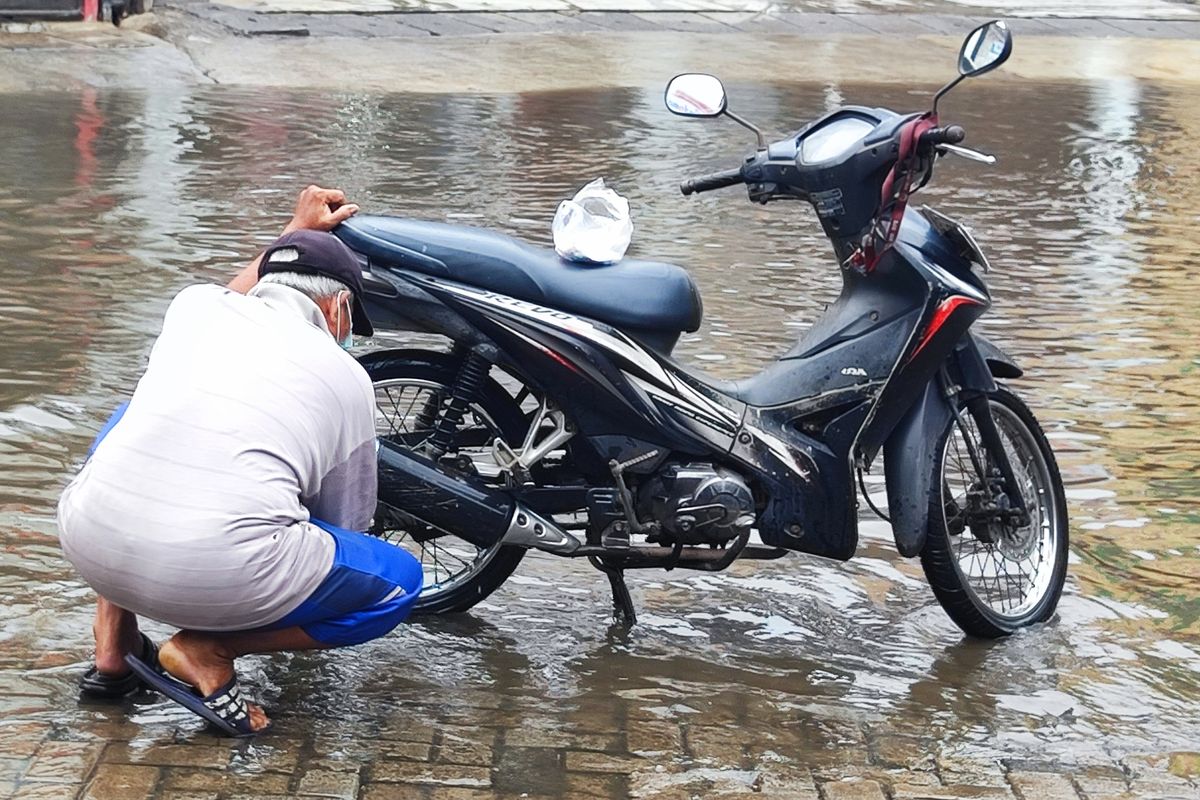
<point>226,498</point>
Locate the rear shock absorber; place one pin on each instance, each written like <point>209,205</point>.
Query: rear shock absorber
<point>466,388</point>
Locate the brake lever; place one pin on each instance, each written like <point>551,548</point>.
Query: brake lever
<point>967,153</point>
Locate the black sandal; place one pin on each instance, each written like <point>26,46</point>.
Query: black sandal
<point>96,685</point>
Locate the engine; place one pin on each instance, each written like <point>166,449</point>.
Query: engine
<point>697,504</point>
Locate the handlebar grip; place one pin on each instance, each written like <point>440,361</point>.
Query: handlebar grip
<point>954,134</point>
<point>951,134</point>
<point>717,180</point>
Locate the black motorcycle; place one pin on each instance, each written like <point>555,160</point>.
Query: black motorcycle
<point>559,421</point>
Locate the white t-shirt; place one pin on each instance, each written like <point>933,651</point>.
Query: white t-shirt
<point>194,509</point>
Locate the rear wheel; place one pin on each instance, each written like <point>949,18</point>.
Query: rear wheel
<point>993,577</point>
<point>408,386</point>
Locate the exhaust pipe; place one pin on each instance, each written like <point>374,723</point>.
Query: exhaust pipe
<point>463,504</point>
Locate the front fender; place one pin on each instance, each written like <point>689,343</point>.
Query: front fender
<point>908,458</point>
<point>1000,363</point>
<point>911,449</point>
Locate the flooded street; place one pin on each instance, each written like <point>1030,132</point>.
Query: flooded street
<point>116,200</point>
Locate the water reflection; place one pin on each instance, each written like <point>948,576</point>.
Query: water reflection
<point>118,199</point>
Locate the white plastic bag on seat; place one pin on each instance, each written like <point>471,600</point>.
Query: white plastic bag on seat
<point>593,226</point>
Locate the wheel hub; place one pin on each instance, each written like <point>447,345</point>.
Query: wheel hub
<point>1017,543</point>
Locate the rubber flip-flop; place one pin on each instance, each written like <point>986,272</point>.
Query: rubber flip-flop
<point>95,684</point>
<point>225,709</point>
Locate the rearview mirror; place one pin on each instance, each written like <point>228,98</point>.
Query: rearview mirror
<point>985,48</point>
<point>695,95</point>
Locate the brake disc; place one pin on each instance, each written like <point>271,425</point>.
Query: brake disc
<point>1018,544</point>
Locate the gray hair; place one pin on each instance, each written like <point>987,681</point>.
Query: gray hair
<point>316,287</point>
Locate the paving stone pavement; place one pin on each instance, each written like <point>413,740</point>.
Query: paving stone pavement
<point>474,755</point>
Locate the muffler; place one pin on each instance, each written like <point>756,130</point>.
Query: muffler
<point>462,504</point>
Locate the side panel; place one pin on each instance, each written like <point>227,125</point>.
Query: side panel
<point>811,507</point>
<point>607,383</point>
<point>858,362</point>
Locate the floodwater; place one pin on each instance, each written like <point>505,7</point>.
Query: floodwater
<point>116,200</point>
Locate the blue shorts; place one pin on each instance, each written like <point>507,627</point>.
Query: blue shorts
<point>369,591</point>
<point>118,412</point>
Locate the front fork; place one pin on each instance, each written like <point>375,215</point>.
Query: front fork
<point>1001,493</point>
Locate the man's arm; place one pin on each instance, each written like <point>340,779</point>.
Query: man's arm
<point>316,209</point>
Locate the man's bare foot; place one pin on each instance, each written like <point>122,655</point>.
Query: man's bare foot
<point>204,661</point>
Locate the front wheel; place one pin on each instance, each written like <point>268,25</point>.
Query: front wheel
<point>994,577</point>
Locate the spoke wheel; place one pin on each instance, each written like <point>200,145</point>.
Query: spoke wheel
<point>994,577</point>
<point>410,392</point>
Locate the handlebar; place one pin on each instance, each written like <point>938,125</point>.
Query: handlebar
<point>717,180</point>
<point>951,134</point>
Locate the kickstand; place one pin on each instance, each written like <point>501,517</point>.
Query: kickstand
<point>624,613</point>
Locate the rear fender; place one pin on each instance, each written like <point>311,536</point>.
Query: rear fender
<point>413,355</point>
<point>394,302</point>
<point>911,448</point>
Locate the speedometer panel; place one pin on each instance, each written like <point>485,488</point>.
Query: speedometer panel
<point>834,139</point>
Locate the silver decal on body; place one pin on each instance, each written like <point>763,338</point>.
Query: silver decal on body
<point>615,342</point>
<point>679,404</point>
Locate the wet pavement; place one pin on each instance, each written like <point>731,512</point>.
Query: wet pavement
<point>793,679</point>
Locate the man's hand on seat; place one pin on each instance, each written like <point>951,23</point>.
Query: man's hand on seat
<point>320,210</point>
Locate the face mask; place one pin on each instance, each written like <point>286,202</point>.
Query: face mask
<point>348,342</point>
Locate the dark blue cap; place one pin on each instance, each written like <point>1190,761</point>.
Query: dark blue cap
<point>319,253</point>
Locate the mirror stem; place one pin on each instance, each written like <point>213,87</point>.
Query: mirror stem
<point>762,142</point>
<point>945,89</point>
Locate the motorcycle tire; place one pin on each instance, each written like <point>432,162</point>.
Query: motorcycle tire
<point>970,564</point>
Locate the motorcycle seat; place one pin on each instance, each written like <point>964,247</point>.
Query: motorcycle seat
<point>635,296</point>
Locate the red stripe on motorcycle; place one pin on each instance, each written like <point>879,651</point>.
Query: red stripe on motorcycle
<point>558,358</point>
<point>943,312</point>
